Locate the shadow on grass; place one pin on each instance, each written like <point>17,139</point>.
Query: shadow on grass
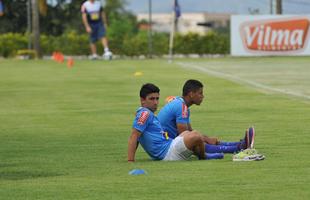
<point>22,175</point>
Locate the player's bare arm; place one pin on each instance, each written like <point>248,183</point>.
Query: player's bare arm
<point>85,22</point>
<point>184,127</point>
<point>133,144</point>
<point>206,139</point>
<point>187,127</point>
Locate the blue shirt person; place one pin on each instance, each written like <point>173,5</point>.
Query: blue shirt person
<point>94,21</point>
<point>147,131</point>
<point>173,113</point>
<point>153,138</point>
<point>175,118</point>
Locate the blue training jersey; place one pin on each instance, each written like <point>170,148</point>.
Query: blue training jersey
<point>153,139</point>
<point>173,113</point>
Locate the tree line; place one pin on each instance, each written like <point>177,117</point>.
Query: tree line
<point>61,29</point>
<point>56,19</point>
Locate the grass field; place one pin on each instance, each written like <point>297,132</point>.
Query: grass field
<point>64,132</point>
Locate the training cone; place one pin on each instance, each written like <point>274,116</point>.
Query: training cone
<point>70,62</point>
<point>138,74</point>
<point>137,172</point>
<point>60,57</point>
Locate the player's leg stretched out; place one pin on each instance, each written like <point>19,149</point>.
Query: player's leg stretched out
<point>233,147</point>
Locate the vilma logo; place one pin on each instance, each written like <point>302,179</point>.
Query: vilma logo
<point>143,117</point>
<point>275,35</point>
<point>184,111</point>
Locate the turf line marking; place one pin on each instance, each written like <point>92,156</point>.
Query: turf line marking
<point>240,80</point>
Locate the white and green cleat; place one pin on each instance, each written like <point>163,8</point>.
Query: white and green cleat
<point>248,155</point>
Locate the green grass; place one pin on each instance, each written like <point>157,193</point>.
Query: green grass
<point>273,74</point>
<point>64,132</point>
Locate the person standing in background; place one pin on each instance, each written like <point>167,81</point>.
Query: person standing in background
<point>94,21</point>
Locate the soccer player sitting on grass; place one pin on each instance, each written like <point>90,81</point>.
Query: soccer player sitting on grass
<point>175,119</point>
<point>148,132</point>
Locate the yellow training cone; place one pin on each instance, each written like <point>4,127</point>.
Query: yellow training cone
<point>138,74</point>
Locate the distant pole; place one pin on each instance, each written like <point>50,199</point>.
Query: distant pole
<point>36,27</point>
<point>173,26</point>
<point>279,7</point>
<point>175,16</point>
<point>150,30</point>
<point>271,7</point>
<point>29,23</point>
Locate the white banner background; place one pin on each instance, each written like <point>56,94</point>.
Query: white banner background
<point>241,35</point>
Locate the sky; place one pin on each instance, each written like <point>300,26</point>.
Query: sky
<point>220,6</point>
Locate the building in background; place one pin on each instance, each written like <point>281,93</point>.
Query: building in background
<point>199,23</point>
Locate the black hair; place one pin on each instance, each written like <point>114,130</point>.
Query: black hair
<point>147,89</point>
<point>191,86</point>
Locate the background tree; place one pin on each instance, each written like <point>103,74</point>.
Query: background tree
<point>63,20</point>
<point>59,18</point>
<point>122,24</point>
<point>35,32</point>
<point>15,18</point>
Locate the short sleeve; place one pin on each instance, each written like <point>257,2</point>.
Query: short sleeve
<point>182,113</point>
<point>83,8</point>
<point>141,121</point>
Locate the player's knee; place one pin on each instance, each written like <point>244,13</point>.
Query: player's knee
<point>196,137</point>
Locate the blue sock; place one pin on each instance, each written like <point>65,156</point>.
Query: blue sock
<point>209,148</point>
<point>210,156</point>
<point>229,143</point>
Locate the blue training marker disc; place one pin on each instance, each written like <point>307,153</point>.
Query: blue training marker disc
<point>137,172</point>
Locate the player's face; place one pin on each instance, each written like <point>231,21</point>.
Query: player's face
<point>151,101</point>
<point>197,97</point>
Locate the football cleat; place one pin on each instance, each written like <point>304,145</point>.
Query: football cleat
<point>248,155</point>
<point>93,57</point>
<point>252,152</point>
<point>243,157</point>
<point>107,55</point>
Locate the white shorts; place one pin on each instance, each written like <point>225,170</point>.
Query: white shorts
<point>178,150</point>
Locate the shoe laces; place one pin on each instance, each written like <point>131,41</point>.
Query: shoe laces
<point>250,151</point>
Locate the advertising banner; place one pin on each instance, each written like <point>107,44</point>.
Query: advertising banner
<point>268,35</point>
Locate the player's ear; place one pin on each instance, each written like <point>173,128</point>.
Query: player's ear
<point>191,94</point>
<point>142,100</point>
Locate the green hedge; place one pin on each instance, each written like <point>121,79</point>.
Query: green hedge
<point>69,43</point>
<point>211,43</point>
<point>72,43</point>
<point>10,43</point>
